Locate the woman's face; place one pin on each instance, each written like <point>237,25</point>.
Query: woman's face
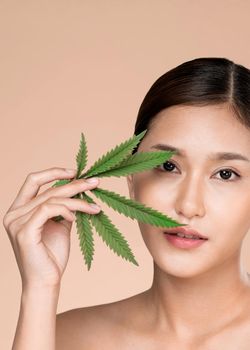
<point>195,191</point>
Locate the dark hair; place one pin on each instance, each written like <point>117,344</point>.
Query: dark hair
<point>199,82</point>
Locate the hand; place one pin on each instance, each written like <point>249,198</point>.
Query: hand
<point>41,245</point>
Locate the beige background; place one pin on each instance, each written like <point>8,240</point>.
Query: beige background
<point>84,66</point>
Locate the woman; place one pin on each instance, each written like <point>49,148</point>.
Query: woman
<point>200,294</point>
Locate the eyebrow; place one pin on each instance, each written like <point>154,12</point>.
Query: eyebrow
<point>212,156</point>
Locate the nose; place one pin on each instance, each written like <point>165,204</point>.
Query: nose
<point>190,198</point>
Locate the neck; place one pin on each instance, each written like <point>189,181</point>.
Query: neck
<point>200,304</point>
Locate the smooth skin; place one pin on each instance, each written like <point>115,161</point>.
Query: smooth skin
<point>41,248</point>
<point>199,298</point>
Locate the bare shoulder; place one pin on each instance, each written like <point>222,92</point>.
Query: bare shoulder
<point>95,327</point>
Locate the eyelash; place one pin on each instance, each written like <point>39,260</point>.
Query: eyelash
<point>232,171</point>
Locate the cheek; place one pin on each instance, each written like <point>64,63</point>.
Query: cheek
<point>226,220</point>
<point>230,222</point>
<point>148,191</point>
<point>231,213</point>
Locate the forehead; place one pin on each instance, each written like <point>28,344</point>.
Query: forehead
<point>207,129</point>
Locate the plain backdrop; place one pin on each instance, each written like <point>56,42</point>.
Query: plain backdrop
<point>68,67</point>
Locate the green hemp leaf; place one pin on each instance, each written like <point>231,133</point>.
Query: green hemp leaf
<point>119,161</point>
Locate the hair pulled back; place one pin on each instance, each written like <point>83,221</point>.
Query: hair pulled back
<point>199,82</point>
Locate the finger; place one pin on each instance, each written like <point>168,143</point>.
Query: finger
<point>32,231</point>
<point>72,204</point>
<point>34,181</point>
<point>68,190</point>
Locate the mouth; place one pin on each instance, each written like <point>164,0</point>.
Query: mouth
<point>185,232</point>
<point>182,237</point>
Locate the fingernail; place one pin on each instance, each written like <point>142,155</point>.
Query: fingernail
<point>92,180</point>
<point>95,206</point>
<point>70,171</point>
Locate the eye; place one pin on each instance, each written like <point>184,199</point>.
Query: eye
<point>225,173</point>
<point>168,166</point>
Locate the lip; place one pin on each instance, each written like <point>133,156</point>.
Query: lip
<point>184,243</point>
<point>185,230</point>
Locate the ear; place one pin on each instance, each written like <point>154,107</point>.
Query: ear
<point>130,186</point>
